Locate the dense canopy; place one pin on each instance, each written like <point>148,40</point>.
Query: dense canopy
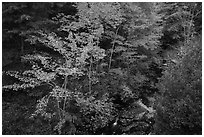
<point>93,68</point>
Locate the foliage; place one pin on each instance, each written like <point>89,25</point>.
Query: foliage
<point>93,67</point>
<point>18,18</point>
<point>79,52</point>
<point>181,21</point>
<point>179,108</point>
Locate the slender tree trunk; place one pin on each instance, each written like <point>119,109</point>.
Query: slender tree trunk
<point>65,88</point>
<point>112,49</point>
<point>90,72</point>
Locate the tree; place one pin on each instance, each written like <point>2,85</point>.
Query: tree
<point>98,67</point>
<point>79,51</point>
<point>20,17</point>
<point>181,22</point>
<point>179,108</point>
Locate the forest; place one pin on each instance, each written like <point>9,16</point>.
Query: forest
<point>101,68</point>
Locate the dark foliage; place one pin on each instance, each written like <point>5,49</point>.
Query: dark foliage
<point>101,68</point>
<point>179,109</point>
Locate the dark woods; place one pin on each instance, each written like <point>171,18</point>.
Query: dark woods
<point>102,68</point>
